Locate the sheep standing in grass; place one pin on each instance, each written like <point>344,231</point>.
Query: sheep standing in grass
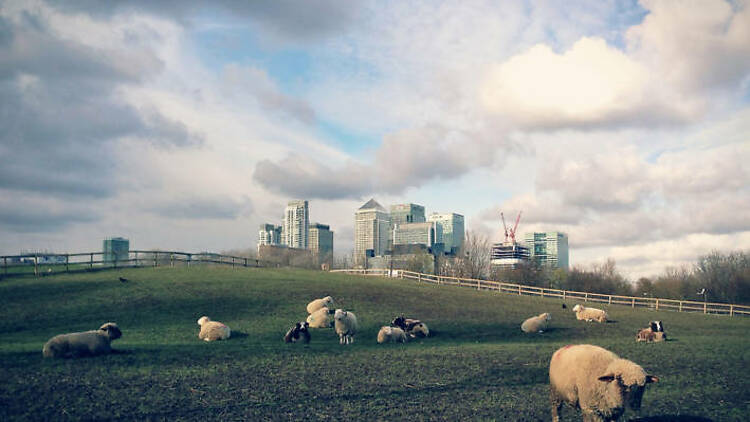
<point>536,324</point>
<point>345,324</point>
<point>595,380</point>
<point>391,334</point>
<point>87,343</point>
<point>320,318</point>
<point>413,327</point>
<point>212,330</point>
<point>589,314</point>
<point>320,303</point>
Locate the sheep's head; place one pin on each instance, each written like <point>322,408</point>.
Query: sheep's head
<point>328,301</point>
<point>577,308</point>
<point>202,320</point>
<point>546,316</point>
<point>339,314</point>
<point>111,330</point>
<point>399,322</point>
<point>302,326</point>
<point>626,383</point>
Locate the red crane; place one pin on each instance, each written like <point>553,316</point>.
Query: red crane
<point>512,232</point>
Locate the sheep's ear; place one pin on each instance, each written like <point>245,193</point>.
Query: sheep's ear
<point>651,378</point>
<point>607,378</point>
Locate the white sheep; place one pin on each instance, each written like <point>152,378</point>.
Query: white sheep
<point>536,324</point>
<point>597,381</point>
<point>319,303</point>
<point>649,336</point>
<point>391,334</point>
<point>212,330</point>
<point>87,343</point>
<point>345,324</point>
<point>320,318</point>
<point>589,314</point>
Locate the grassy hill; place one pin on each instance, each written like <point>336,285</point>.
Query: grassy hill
<point>477,366</point>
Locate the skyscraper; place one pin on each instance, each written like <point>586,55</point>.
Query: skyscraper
<point>321,242</point>
<point>296,225</point>
<point>452,230</point>
<point>407,213</point>
<point>269,234</point>
<point>548,248</point>
<point>371,231</point>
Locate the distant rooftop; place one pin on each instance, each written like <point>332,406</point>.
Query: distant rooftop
<point>372,204</point>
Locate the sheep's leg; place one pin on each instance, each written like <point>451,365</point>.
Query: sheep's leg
<point>557,403</point>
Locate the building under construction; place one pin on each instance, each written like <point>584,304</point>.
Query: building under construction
<point>509,253</point>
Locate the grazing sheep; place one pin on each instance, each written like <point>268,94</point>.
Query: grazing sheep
<point>650,336</point>
<point>320,318</point>
<point>87,343</point>
<point>589,314</point>
<point>536,324</point>
<point>212,330</point>
<point>595,380</point>
<point>319,303</point>
<point>298,333</point>
<point>345,324</point>
<point>413,327</point>
<point>391,334</point>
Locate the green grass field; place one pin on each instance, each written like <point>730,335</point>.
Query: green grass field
<point>478,365</point>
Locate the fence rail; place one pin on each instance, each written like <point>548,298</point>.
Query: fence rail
<point>43,264</point>
<point>521,289</point>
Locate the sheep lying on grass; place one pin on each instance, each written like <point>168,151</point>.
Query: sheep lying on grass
<point>212,330</point>
<point>391,334</point>
<point>320,303</point>
<point>589,314</point>
<point>298,333</point>
<point>413,327</point>
<point>595,380</point>
<point>320,318</point>
<point>536,324</point>
<point>345,324</point>
<point>650,336</point>
<point>87,343</point>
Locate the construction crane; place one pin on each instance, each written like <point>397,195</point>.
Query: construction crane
<point>512,232</point>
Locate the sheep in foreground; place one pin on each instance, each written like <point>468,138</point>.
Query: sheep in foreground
<point>87,343</point>
<point>212,330</point>
<point>345,324</point>
<point>589,314</point>
<point>298,333</point>
<point>650,336</point>
<point>320,318</point>
<point>320,303</point>
<point>536,324</point>
<point>413,327</point>
<point>391,334</point>
<point>595,380</point>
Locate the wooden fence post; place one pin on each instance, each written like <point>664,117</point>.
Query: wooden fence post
<point>519,290</point>
<point>633,302</point>
<point>171,259</point>
<point>586,297</point>
<point>91,262</point>
<point>731,310</point>
<point>657,303</point>
<point>609,302</point>
<point>564,291</point>
<point>705,311</point>
<point>156,259</point>
<point>245,262</point>
<point>479,285</point>
<point>5,265</point>
<point>36,269</point>
<point>419,277</point>
<point>67,262</point>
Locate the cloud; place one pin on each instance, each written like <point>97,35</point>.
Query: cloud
<point>193,208</point>
<point>41,214</point>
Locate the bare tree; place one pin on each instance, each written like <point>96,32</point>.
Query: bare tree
<point>473,260</point>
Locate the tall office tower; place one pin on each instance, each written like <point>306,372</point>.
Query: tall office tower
<point>296,225</point>
<point>371,231</point>
<point>407,213</point>
<point>426,234</point>
<point>269,234</point>
<point>452,226</point>
<point>321,242</point>
<point>548,248</point>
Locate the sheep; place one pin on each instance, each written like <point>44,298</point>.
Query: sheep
<point>391,334</point>
<point>595,380</point>
<point>319,303</point>
<point>650,336</point>
<point>87,343</point>
<point>212,330</point>
<point>413,327</point>
<point>345,324</point>
<point>536,324</point>
<point>320,318</point>
<point>298,333</point>
<point>656,326</point>
<point>589,314</point>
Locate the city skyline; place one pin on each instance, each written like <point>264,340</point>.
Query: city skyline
<point>185,127</point>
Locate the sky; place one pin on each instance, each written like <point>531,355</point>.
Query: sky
<point>184,126</point>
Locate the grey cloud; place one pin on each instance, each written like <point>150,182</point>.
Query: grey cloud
<point>203,208</point>
<point>40,214</point>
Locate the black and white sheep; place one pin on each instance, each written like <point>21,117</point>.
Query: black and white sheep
<point>413,327</point>
<point>212,330</point>
<point>345,324</point>
<point>595,380</point>
<point>87,343</point>
<point>298,333</point>
<point>654,333</point>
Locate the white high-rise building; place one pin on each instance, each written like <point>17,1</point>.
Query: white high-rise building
<point>548,248</point>
<point>296,225</point>
<point>371,231</point>
<point>269,234</point>
<point>452,230</point>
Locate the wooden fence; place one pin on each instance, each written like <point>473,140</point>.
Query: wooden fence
<point>520,289</point>
<point>43,264</point>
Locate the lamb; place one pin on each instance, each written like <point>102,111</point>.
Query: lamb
<point>298,333</point>
<point>391,334</point>
<point>536,324</point>
<point>345,324</point>
<point>589,314</point>
<point>320,318</point>
<point>87,343</point>
<point>212,330</point>
<point>650,336</point>
<point>595,380</point>
<point>413,327</point>
<point>320,303</point>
